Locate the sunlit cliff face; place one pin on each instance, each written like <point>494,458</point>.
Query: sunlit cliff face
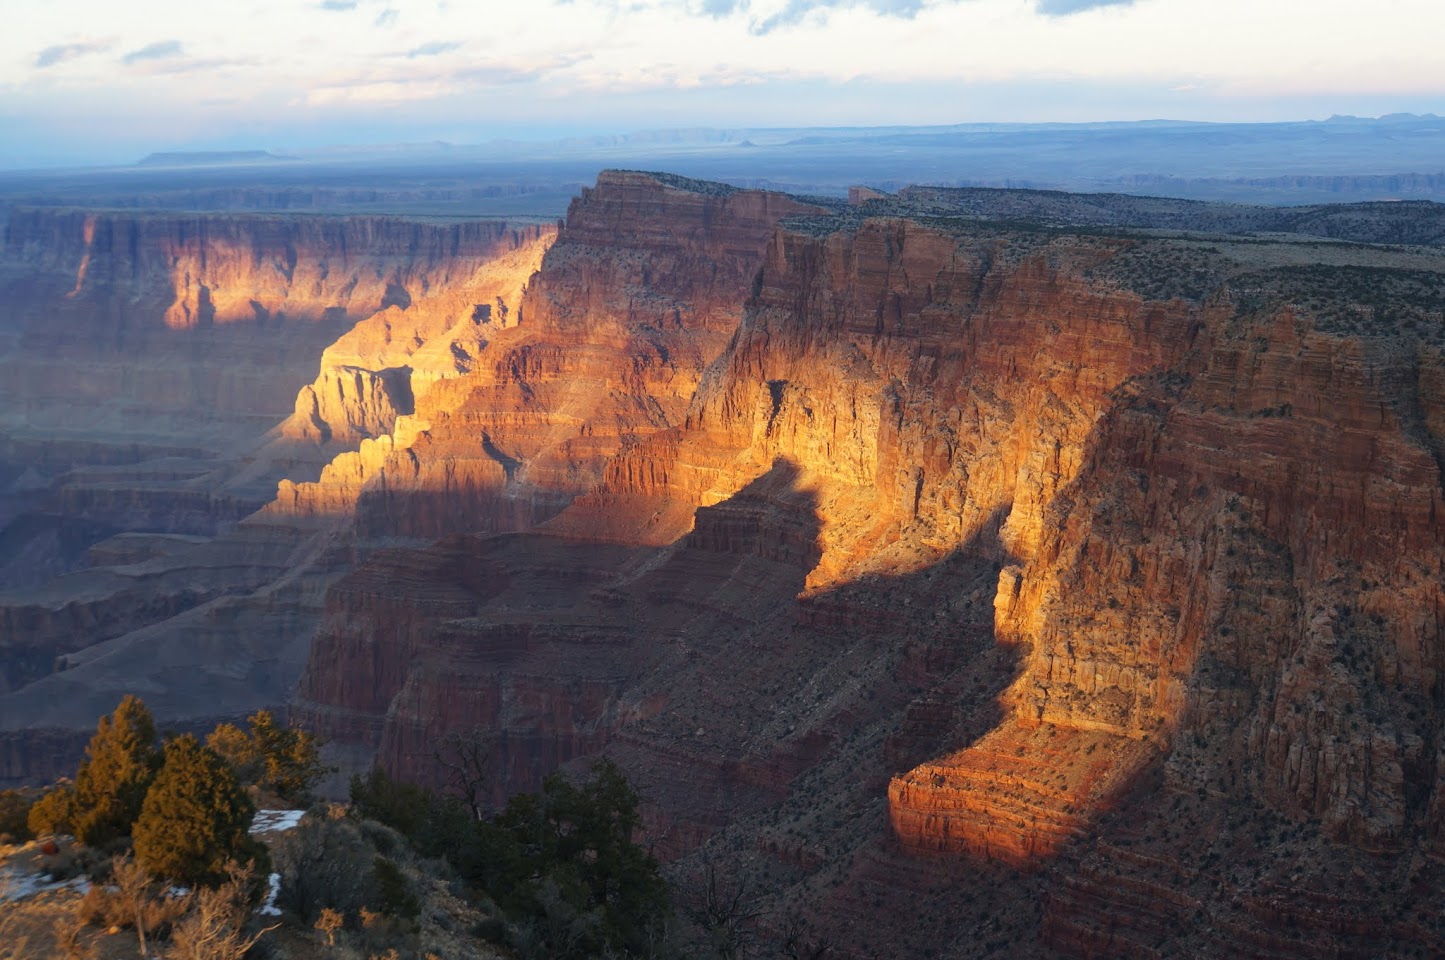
<point>385,366</point>
<point>1137,466</point>
<point>221,281</point>
<point>1207,595</point>
<point>520,414</point>
<point>88,238</point>
<point>936,397</point>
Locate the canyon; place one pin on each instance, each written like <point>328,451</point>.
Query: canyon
<point>964,572</point>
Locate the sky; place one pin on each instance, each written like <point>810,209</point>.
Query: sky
<point>100,81</point>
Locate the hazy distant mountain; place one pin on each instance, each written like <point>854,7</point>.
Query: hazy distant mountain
<point>211,158</point>
<point>1397,157</point>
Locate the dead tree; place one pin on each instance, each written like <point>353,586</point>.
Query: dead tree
<point>726,915</point>
<point>464,755</point>
<point>799,943</point>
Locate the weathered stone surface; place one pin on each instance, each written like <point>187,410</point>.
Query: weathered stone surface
<point>149,361</point>
<point>969,587</point>
<point>1180,499</point>
<point>637,296</point>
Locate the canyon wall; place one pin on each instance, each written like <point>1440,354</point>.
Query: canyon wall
<point>972,572</point>
<point>1080,535</point>
<point>151,362</point>
<point>166,324</point>
<point>637,296</point>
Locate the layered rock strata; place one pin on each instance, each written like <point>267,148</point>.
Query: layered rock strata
<point>637,296</point>
<point>125,521</point>
<point>1014,564</point>
<point>1152,488</point>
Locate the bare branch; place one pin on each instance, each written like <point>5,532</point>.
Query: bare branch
<point>464,756</point>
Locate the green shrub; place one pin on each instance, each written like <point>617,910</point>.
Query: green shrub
<point>111,783</point>
<point>324,864</point>
<point>285,761</point>
<point>15,808</point>
<point>195,817</point>
<point>394,890</point>
<point>52,813</point>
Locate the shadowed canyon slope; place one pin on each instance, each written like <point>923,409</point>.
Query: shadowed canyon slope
<point>970,572</point>
<point>1071,528</point>
<point>150,364</point>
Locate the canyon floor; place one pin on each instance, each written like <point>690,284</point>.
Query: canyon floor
<point>955,572</point>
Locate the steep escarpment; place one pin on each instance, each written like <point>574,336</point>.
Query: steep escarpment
<point>638,294</point>
<point>1279,632</point>
<point>164,317</point>
<point>908,369</point>
<point>962,572</point>
<point>1106,554</point>
<point>486,398</point>
<point>150,364</point>
<point>381,367</point>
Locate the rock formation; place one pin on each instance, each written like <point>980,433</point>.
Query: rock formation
<point>150,362</point>
<point>974,572</point>
<point>638,295</point>
<point>1147,483</point>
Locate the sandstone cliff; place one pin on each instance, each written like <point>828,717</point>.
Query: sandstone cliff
<point>210,317</point>
<point>971,572</point>
<point>1094,533</point>
<point>638,294</point>
<point>150,363</point>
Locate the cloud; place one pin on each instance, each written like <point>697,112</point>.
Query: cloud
<point>160,50</point>
<point>1063,8</point>
<point>60,53</point>
<point>720,8</point>
<point>796,10</point>
<point>176,64</point>
<point>338,4</point>
<point>399,82</point>
<point>431,49</point>
<point>387,17</point>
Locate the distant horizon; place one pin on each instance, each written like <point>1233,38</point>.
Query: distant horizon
<point>84,82</point>
<point>301,151</point>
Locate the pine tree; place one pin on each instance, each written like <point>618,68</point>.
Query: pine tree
<point>53,812</point>
<point>195,817</point>
<point>238,749</point>
<point>120,763</point>
<point>281,759</point>
<point>568,853</point>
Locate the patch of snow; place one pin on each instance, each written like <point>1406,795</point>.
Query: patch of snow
<point>17,885</point>
<point>276,821</point>
<point>273,888</point>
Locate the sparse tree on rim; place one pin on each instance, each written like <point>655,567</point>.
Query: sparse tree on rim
<point>195,817</point>
<point>119,765</point>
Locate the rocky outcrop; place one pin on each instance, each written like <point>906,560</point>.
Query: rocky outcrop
<point>637,296</point>
<point>150,362</point>
<point>1015,559</point>
<point>1149,486</point>
<point>379,368</point>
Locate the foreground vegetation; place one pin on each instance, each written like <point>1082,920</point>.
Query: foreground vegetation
<point>149,851</point>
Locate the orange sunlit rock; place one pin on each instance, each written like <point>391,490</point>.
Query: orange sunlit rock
<point>1019,795</point>
<point>606,346</point>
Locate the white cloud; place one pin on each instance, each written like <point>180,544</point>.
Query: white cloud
<point>160,50</point>
<point>63,52</point>
<point>603,59</point>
